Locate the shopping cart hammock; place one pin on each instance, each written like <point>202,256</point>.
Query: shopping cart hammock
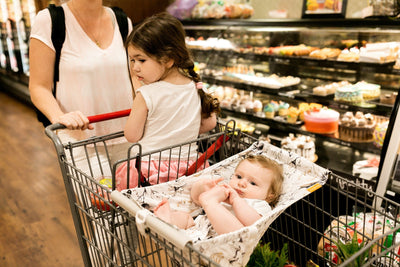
<point>301,177</point>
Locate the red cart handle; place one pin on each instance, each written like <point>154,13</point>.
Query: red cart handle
<point>109,116</point>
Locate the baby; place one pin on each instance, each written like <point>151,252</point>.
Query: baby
<point>255,185</point>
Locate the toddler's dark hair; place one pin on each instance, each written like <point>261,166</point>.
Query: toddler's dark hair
<point>162,37</point>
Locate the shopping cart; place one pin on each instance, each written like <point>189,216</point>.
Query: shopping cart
<point>109,236</point>
<point>106,233</point>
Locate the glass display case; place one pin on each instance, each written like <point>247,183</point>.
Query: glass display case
<point>282,61</point>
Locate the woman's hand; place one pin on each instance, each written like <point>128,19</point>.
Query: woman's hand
<point>74,120</point>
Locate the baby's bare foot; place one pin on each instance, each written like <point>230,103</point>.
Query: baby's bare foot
<point>180,219</point>
<point>163,210</point>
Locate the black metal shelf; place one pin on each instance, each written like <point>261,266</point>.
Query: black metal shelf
<point>385,68</point>
<point>309,23</point>
<point>277,126</point>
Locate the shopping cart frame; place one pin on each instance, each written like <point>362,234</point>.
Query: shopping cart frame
<point>104,209</point>
<point>302,225</point>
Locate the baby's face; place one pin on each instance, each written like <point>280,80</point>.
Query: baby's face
<point>251,180</point>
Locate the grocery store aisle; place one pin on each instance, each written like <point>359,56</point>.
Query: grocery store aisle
<point>36,227</point>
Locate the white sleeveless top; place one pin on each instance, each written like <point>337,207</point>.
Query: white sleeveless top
<point>92,80</point>
<point>174,116</point>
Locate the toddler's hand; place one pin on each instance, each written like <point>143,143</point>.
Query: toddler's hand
<point>135,82</point>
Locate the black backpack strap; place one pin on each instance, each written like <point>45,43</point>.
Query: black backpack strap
<point>122,21</point>
<point>57,37</point>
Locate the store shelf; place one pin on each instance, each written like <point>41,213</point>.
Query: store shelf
<point>247,34</point>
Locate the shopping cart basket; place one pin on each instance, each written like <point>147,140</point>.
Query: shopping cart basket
<point>314,226</point>
<point>104,230</point>
<point>108,235</point>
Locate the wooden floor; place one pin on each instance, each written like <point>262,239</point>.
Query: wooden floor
<point>36,226</point>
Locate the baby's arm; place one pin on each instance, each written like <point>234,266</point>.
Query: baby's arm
<point>246,214</point>
<point>201,186</point>
<point>220,218</point>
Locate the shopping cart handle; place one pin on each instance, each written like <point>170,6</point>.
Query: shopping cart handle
<point>109,116</point>
<point>94,119</point>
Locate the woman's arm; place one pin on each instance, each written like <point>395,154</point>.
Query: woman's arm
<point>207,124</point>
<point>134,127</point>
<point>41,61</point>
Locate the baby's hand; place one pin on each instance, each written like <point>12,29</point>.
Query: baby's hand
<point>232,195</point>
<point>214,195</point>
<point>201,186</point>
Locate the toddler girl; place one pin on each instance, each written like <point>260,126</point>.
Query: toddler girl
<point>170,106</point>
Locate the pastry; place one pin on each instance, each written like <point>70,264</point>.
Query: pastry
<point>324,120</point>
<point>357,128</point>
<point>302,145</point>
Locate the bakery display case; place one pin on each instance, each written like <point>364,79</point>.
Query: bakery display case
<point>333,80</point>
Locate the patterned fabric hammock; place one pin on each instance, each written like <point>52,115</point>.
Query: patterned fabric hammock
<point>301,177</point>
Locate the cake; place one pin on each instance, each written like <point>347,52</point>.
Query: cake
<point>369,91</point>
<point>380,133</point>
<point>303,107</point>
<point>388,99</point>
<point>325,53</point>
<point>328,89</point>
<point>350,55</point>
<point>357,128</point>
<point>302,145</point>
<point>324,120</point>
<point>293,114</point>
<point>349,94</point>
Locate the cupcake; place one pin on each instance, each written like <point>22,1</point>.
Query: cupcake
<point>257,106</point>
<point>303,107</point>
<point>269,111</point>
<point>283,108</point>
<point>249,106</point>
<point>292,115</point>
<point>275,105</point>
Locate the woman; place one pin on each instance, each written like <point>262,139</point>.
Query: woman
<point>93,72</point>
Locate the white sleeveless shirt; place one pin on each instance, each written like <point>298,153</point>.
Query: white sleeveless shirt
<point>92,80</point>
<point>174,116</point>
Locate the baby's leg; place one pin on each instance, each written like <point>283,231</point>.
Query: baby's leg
<point>180,219</point>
